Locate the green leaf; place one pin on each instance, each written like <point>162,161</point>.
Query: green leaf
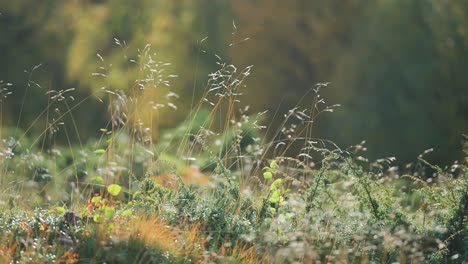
<point>96,199</point>
<point>135,194</point>
<point>104,130</point>
<point>275,197</point>
<point>109,212</point>
<point>275,184</point>
<point>114,189</point>
<point>149,198</point>
<point>96,218</point>
<point>100,151</point>
<point>97,179</point>
<point>60,209</point>
<point>273,165</point>
<point>267,175</point>
<point>127,213</point>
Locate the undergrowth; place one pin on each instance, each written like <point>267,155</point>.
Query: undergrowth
<point>215,189</point>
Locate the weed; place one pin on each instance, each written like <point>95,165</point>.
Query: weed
<point>220,187</point>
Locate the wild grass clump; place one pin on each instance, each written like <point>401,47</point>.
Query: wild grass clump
<point>220,187</point>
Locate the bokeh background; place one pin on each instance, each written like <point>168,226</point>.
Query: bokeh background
<point>398,68</point>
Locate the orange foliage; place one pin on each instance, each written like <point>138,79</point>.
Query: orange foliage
<point>192,175</point>
<point>156,233</point>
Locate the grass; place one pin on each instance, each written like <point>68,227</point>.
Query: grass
<point>215,189</point>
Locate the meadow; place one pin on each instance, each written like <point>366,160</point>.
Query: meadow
<point>224,186</point>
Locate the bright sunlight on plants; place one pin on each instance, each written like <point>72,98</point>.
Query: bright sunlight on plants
<point>223,186</point>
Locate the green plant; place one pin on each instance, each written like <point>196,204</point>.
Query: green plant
<point>313,201</point>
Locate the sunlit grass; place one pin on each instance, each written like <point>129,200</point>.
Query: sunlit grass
<point>216,188</point>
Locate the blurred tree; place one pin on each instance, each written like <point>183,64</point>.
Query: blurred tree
<point>396,66</point>
<point>30,37</point>
<point>34,40</point>
<point>294,43</point>
<point>173,29</point>
<point>402,84</point>
<point>67,36</point>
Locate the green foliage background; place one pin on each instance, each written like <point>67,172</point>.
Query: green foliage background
<point>397,67</point>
